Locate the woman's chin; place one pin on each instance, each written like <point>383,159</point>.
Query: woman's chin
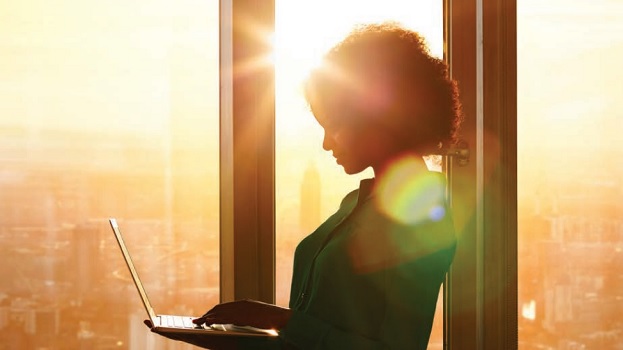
<point>350,170</point>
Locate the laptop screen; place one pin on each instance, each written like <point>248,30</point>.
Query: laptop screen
<point>133,272</point>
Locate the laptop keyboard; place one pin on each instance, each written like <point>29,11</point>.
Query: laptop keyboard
<point>176,321</point>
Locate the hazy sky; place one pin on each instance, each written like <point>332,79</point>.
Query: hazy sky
<point>88,64</point>
<point>102,64</point>
<point>131,65</point>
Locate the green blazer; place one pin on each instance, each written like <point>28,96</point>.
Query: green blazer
<point>369,276</point>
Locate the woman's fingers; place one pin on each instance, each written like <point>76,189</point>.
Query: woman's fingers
<point>246,313</point>
<point>215,315</point>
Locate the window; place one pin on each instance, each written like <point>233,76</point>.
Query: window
<point>484,270</point>
<point>106,109</point>
<point>88,88</point>
<point>309,184</point>
<point>569,174</point>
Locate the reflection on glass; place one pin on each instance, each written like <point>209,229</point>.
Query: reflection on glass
<point>106,109</point>
<point>569,160</point>
<point>309,184</point>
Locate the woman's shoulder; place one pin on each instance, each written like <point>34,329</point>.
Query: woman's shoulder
<point>351,199</point>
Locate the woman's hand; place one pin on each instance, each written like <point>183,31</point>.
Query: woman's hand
<point>247,313</point>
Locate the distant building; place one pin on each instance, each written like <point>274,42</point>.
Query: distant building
<point>577,262</point>
<point>310,199</point>
<point>86,265</point>
<point>22,318</point>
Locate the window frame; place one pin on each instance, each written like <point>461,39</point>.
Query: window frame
<point>247,155</point>
<point>480,45</point>
<point>481,302</point>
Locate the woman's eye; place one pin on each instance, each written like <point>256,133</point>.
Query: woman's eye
<point>329,126</point>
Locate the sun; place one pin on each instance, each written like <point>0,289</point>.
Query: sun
<point>296,52</point>
<point>304,31</point>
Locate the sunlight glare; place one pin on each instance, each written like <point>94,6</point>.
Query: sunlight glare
<point>305,31</point>
<point>410,194</point>
<point>262,61</point>
<point>528,310</point>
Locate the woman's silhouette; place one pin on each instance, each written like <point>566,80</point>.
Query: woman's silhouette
<point>369,276</point>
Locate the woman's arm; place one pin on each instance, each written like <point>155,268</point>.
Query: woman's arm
<point>242,313</point>
<point>411,296</point>
<point>404,266</point>
<point>307,332</point>
<point>247,313</point>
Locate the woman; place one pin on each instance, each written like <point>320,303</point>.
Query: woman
<point>369,276</point>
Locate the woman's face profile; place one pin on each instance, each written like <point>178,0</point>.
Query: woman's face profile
<point>345,144</point>
<point>354,142</point>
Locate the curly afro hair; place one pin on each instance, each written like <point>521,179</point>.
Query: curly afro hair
<point>384,74</point>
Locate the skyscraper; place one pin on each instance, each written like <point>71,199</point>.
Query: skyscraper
<point>310,199</point>
<point>86,264</point>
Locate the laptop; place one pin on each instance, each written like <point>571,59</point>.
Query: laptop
<point>175,323</point>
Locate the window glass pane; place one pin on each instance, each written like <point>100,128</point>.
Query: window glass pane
<point>309,184</point>
<point>107,108</point>
<point>569,174</point>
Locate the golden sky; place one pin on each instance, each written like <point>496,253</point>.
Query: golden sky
<point>129,66</point>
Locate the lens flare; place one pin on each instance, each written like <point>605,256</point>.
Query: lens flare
<point>409,193</point>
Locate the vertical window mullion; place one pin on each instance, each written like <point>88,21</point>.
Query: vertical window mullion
<point>247,151</point>
<point>483,280</point>
<point>461,319</point>
<point>226,162</point>
<point>500,169</point>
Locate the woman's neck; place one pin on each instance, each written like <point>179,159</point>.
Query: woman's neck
<point>406,162</point>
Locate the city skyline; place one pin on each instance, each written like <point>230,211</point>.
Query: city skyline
<point>115,112</point>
